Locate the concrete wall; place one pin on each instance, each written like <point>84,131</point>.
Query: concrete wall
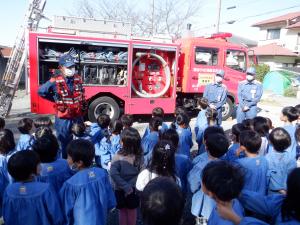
<point>277,61</point>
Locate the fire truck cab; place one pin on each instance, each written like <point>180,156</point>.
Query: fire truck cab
<point>200,58</point>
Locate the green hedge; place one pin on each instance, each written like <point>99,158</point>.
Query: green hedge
<point>261,71</point>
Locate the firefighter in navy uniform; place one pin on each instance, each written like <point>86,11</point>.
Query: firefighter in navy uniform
<point>249,94</point>
<point>66,91</point>
<point>216,94</point>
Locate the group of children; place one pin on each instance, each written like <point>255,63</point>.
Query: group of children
<point>250,179</point>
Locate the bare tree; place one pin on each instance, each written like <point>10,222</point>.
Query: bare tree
<point>147,17</point>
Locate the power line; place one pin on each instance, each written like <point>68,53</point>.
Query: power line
<point>251,16</point>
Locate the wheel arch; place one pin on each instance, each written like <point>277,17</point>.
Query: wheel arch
<point>119,101</point>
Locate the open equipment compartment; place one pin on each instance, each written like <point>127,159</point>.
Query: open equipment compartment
<point>99,63</point>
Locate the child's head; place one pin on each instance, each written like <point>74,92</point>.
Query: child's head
<point>182,120</point>
<point>81,154</point>
<point>179,110</point>
<point>103,121</point>
<point>297,107</point>
<point>248,124</point>
<point>78,129</point>
<point>46,147</point>
<point>250,141</point>
<point>270,124</point>
<point>261,126</point>
<point>155,123</point>
<point>2,123</point>
<point>211,115</point>
<point>212,130</point>
<point>25,125</point>
<point>289,114</point>
<point>7,141</point>
<point>236,131</point>
<point>290,207</point>
<point>41,131</point>
<point>23,165</point>
<point>158,112</point>
<point>163,159</point>
<point>172,136</point>
<point>131,142</point>
<point>280,139</point>
<point>162,202</point>
<point>43,121</point>
<point>127,120</point>
<point>222,181</point>
<point>116,127</point>
<point>216,145</point>
<point>203,103</point>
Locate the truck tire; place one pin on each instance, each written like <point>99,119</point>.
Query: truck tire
<point>227,109</point>
<point>105,105</point>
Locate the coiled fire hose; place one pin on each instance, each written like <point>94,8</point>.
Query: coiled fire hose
<point>166,71</point>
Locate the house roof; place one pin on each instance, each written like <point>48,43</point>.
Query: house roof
<point>242,40</point>
<point>295,25</point>
<point>273,50</point>
<point>5,52</point>
<point>282,18</point>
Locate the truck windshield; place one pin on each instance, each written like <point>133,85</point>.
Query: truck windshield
<point>236,60</point>
<point>206,56</point>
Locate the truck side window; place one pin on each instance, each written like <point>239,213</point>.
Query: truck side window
<point>236,60</point>
<point>206,56</point>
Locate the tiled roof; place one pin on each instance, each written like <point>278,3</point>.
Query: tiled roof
<point>272,49</point>
<point>282,18</point>
<point>295,25</point>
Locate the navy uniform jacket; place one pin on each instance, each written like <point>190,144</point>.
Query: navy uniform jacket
<point>249,93</point>
<point>216,94</point>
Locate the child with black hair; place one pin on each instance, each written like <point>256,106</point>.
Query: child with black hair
<point>256,166</point>
<point>150,140</point>
<point>280,161</point>
<point>127,120</point>
<point>297,107</point>
<point>87,196</point>
<point>185,135</point>
<point>27,201</point>
<point>281,209</point>
<point>42,121</point>
<point>79,131</point>
<point>162,202</point>
<point>178,110</point>
<point>261,126</point>
<point>157,112</point>
<point>248,124</point>
<point>26,139</point>
<point>183,164</point>
<point>201,120</point>
<point>125,167</point>
<point>96,129</point>
<point>115,129</point>
<point>216,145</point>
<point>223,182</point>
<point>236,130</point>
<point>53,170</point>
<point>208,131</point>
<point>162,163</point>
<point>7,149</point>
<point>2,123</point>
<point>211,120</point>
<point>288,116</point>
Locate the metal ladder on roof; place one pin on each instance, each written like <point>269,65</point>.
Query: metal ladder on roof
<point>16,62</point>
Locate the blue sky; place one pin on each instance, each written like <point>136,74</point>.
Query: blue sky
<point>12,13</point>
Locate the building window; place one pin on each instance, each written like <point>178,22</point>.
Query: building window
<point>206,56</point>
<point>273,34</point>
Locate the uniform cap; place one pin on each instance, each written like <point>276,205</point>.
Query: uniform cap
<point>66,60</point>
<point>251,71</point>
<point>220,73</point>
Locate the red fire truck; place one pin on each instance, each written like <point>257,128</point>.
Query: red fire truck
<point>134,76</point>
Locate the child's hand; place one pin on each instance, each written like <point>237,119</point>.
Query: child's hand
<point>225,211</point>
<point>129,192</point>
<point>88,123</point>
<point>108,165</point>
<point>283,192</point>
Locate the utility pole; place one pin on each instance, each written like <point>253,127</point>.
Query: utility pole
<point>218,16</point>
